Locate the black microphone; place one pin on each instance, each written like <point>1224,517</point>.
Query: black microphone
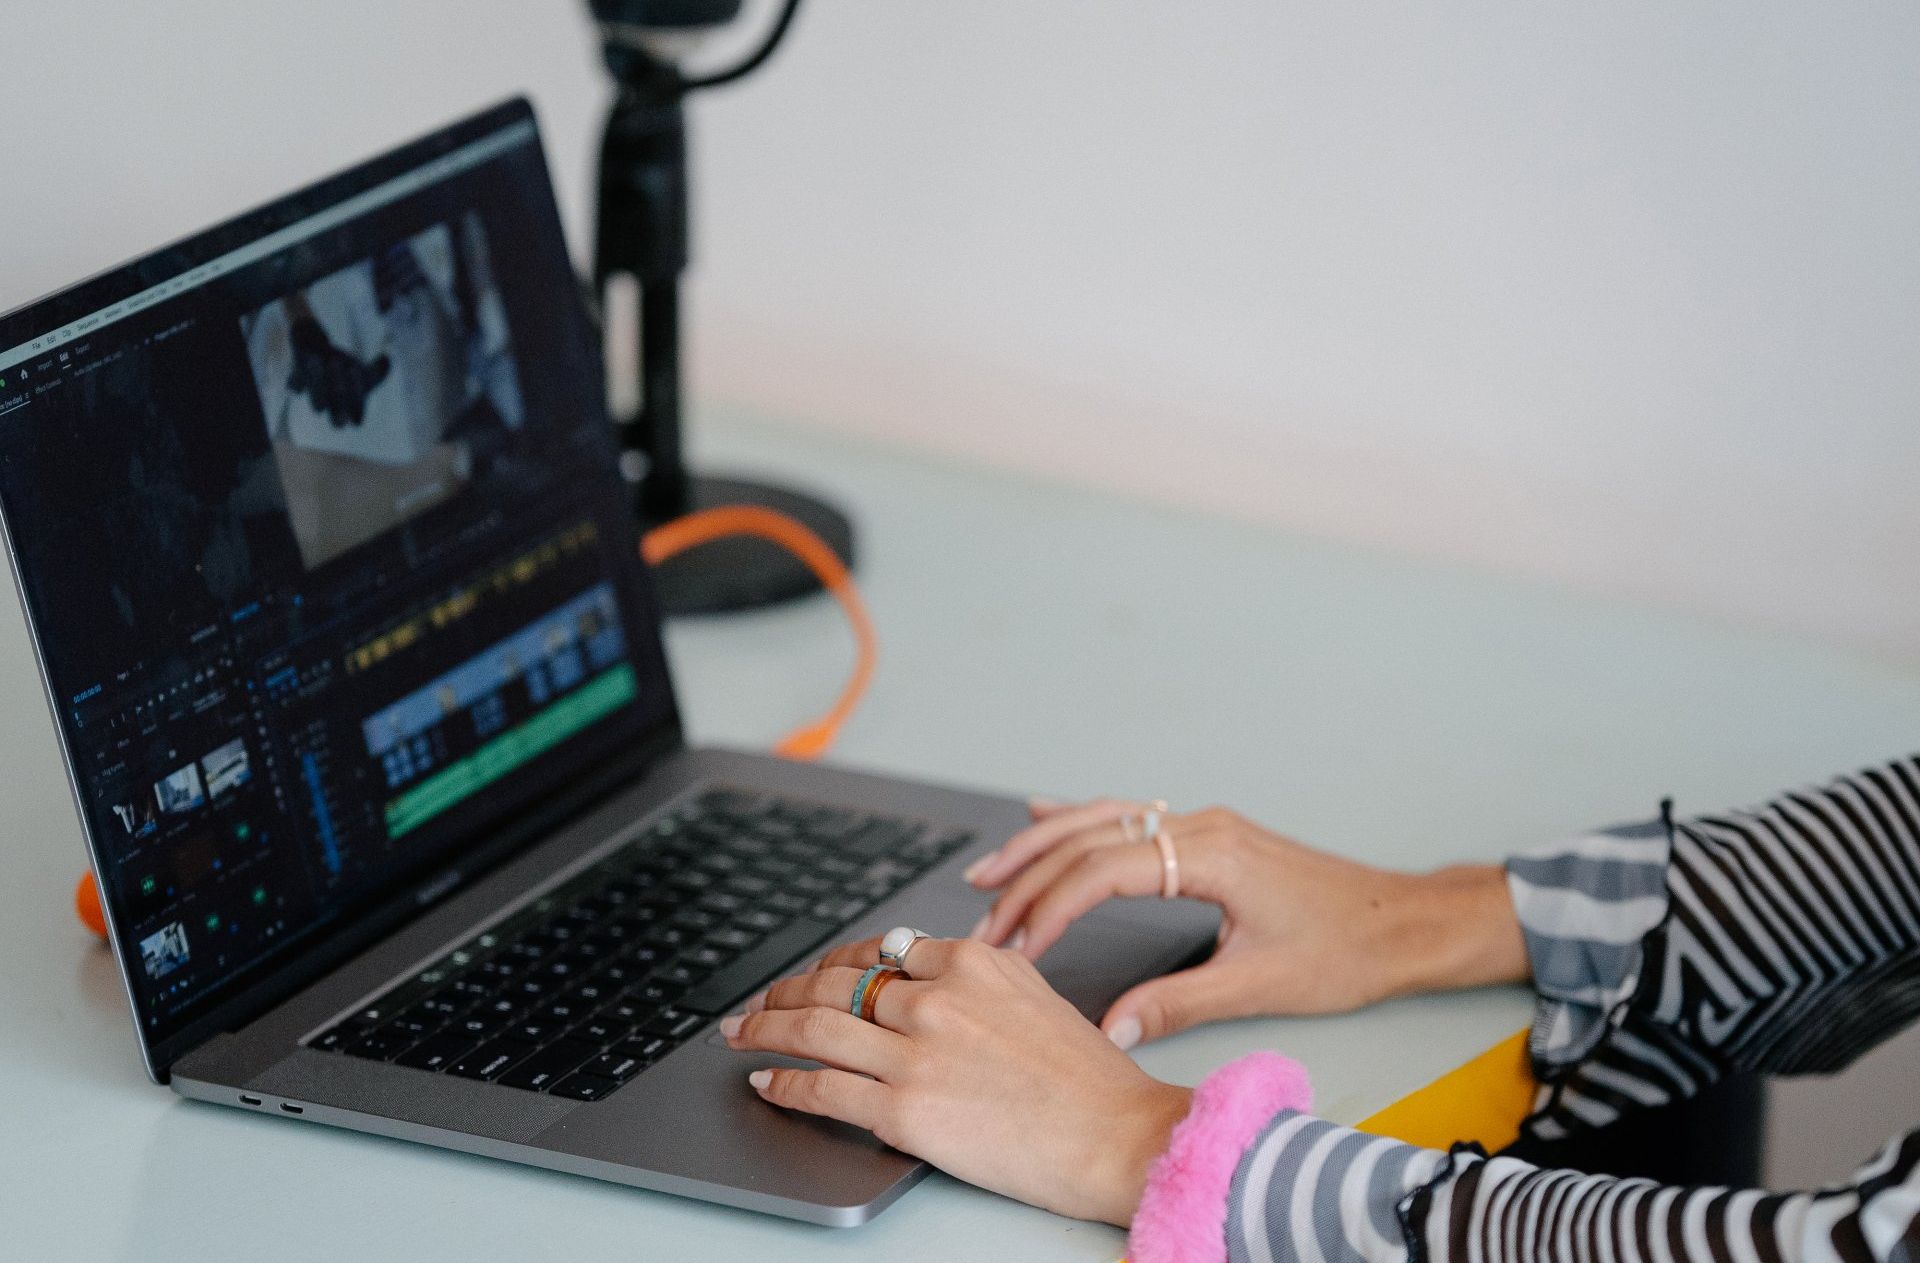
<point>639,256</point>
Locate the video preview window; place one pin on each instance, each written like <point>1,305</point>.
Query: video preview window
<point>375,381</point>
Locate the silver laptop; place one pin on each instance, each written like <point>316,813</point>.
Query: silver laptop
<point>332,578</point>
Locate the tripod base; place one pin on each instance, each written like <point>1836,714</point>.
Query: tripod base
<point>745,572</point>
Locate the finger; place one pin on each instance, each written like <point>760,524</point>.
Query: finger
<point>828,988</point>
<point>1091,880</point>
<point>832,1037</point>
<point>1011,907</point>
<point>851,956</point>
<point>1211,992</point>
<point>1041,808</point>
<point>828,1093</point>
<point>892,1006</point>
<point>1037,839</point>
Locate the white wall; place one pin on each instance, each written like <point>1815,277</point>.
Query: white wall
<point>1627,296</point>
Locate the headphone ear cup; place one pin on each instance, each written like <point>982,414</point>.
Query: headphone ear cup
<point>86,903</point>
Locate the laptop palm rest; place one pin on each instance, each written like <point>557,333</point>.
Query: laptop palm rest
<point>694,1114</point>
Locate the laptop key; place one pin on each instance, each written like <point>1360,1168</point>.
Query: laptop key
<point>600,1031</point>
<point>584,1087</point>
<point>743,976</point>
<point>629,1011</point>
<point>565,1011</point>
<point>417,1022</point>
<point>648,1048</point>
<point>880,837</point>
<point>437,1053</point>
<point>658,992</point>
<point>680,974</point>
<point>734,938</point>
<point>698,918</point>
<point>548,1066</point>
<point>616,1066</point>
<point>490,1060</point>
<point>840,910</point>
<point>379,1045</point>
<point>674,1024</point>
<point>619,973</point>
<point>443,1006</point>
<point>479,1025</point>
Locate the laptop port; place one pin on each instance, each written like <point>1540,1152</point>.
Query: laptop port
<point>291,1109</point>
<point>249,1100</point>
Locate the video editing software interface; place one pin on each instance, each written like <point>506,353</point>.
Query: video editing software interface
<point>320,543</point>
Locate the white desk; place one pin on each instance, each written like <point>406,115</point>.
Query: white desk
<point>1033,637</point>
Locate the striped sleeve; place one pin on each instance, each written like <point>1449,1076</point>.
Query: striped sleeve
<point>1308,1191</point>
<point>1784,939</point>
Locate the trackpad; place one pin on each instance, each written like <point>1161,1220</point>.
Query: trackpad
<point>1100,958</point>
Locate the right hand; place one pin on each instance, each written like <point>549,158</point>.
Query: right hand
<point>1302,931</point>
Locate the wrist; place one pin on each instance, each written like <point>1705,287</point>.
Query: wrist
<point>1131,1142</point>
<point>1457,929</point>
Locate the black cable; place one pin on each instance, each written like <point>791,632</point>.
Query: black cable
<point>754,60</point>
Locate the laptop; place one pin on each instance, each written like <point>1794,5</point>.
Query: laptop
<point>332,576</point>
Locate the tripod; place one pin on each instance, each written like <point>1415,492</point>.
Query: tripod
<point>640,255</point>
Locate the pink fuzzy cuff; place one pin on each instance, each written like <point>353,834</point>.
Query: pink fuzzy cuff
<point>1183,1213</point>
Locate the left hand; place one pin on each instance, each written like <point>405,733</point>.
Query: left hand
<point>974,1064</point>
<point>1301,931</point>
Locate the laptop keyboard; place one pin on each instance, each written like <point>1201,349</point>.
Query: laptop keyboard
<point>588,985</point>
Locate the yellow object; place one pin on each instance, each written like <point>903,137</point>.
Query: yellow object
<point>1483,1100</point>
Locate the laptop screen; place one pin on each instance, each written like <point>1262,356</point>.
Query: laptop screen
<point>318,526</point>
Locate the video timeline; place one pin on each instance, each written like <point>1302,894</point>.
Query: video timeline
<point>500,708</point>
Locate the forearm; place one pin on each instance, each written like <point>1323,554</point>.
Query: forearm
<point>1455,928</point>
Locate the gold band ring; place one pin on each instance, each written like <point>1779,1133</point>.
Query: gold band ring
<point>1169,864</point>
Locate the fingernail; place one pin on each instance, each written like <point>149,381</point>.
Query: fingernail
<point>1042,804</point>
<point>755,1002</point>
<point>761,1079</point>
<point>979,929</point>
<point>1019,940</point>
<point>1125,1033</point>
<point>730,1026</point>
<point>971,874</point>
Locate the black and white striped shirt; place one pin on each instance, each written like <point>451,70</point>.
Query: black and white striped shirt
<point>1783,940</point>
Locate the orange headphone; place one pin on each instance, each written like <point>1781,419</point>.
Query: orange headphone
<point>807,742</point>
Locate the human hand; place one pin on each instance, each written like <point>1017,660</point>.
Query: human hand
<point>975,1064</point>
<point>1302,931</point>
<point>336,382</point>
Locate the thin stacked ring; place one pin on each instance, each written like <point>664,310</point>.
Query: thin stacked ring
<point>1156,831</point>
<point>868,987</point>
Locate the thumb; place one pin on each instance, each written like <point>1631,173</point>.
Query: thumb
<point>1161,1006</point>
